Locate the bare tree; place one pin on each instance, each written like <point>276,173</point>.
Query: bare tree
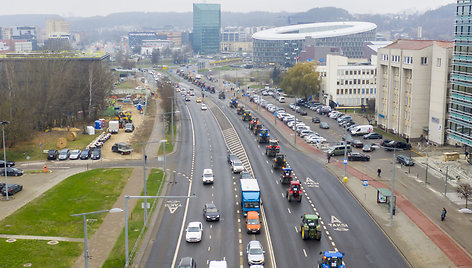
<point>465,191</point>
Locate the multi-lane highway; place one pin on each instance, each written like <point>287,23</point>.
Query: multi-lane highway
<point>204,144</point>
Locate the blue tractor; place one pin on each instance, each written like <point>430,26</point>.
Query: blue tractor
<point>263,136</point>
<point>331,259</point>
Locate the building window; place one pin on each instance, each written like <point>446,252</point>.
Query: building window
<point>337,91</point>
<point>424,60</point>
<point>363,91</point>
<point>408,60</point>
<point>395,58</point>
<point>385,57</point>
<point>350,91</point>
<point>438,62</point>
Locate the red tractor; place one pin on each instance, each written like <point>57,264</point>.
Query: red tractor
<point>294,192</point>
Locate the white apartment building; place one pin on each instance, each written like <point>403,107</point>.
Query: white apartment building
<point>348,82</point>
<point>413,79</point>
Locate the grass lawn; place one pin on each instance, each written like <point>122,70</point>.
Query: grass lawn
<point>135,223</point>
<point>387,135</point>
<point>131,83</point>
<point>49,215</point>
<point>39,253</point>
<point>48,140</point>
<point>168,144</point>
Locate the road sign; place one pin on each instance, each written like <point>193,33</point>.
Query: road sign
<point>345,161</point>
<point>365,183</point>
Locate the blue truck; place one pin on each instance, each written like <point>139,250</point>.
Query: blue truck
<point>250,196</point>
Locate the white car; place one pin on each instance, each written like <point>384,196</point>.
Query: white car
<point>194,232</point>
<point>204,107</point>
<point>237,167</point>
<point>207,176</point>
<point>316,140</point>
<point>74,154</point>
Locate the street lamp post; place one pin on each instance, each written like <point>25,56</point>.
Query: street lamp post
<point>3,123</point>
<point>126,217</point>
<point>84,215</point>
<point>392,197</point>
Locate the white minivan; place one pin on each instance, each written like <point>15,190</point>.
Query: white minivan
<point>282,99</point>
<point>218,264</point>
<point>362,130</point>
<point>207,176</point>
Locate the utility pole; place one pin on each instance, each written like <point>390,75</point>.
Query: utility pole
<point>427,165</point>
<point>445,185</point>
<point>392,197</point>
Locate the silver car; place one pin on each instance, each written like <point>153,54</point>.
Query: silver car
<point>74,154</point>
<point>64,154</point>
<point>255,253</point>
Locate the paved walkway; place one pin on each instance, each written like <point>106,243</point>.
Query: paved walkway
<point>404,236</point>
<point>102,242</point>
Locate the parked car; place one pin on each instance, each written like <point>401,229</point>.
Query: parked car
<point>358,157</point>
<point>194,232</point>
<point>52,154</point>
<point>8,163</point>
<point>324,125</point>
<point>302,112</point>
<point>397,145</point>
<point>11,171</point>
<point>210,212</point>
<point>74,154</point>
<point>12,189</point>
<point>372,136</point>
<point>64,154</point>
<point>368,147</point>
<point>96,154</point>
<point>85,154</point>
<point>405,160</point>
<point>357,144</point>
<point>315,120</point>
<point>255,253</point>
<point>129,127</point>
<point>187,262</point>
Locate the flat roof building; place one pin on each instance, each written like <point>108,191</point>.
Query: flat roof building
<point>412,83</point>
<point>283,45</point>
<point>206,28</point>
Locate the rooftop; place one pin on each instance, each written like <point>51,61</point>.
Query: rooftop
<point>418,44</point>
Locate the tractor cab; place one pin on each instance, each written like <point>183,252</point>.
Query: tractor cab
<point>294,192</point>
<point>246,115</point>
<point>331,259</point>
<point>257,129</point>
<point>286,176</point>
<point>295,186</point>
<point>254,122</point>
<point>240,110</point>
<point>279,161</point>
<point>310,228</point>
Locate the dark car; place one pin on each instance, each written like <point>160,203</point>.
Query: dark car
<point>302,112</point>
<point>85,154</point>
<point>358,157</point>
<point>315,120</point>
<point>372,136</point>
<point>368,147</point>
<point>210,212</point>
<point>385,142</point>
<point>187,98</point>
<point>405,160</point>
<point>246,175</point>
<point>187,262</point>
<point>53,154</point>
<point>231,158</point>
<point>96,154</point>
<point>357,144</point>
<point>397,145</point>
<point>9,163</point>
<point>12,189</point>
<point>11,171</point>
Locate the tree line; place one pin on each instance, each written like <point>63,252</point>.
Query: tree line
<point>40,94</point>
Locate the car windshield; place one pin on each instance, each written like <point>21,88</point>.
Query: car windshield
<point>207,175</point>
<point>193,229</point>
<point>238,164</point>
<point>253,221</point>
<point>251,204</point>
<point>255,251</point>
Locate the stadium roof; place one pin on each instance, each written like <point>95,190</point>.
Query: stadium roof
<point>314,30</point>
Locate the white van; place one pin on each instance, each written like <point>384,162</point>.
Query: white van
<point>207,176</point>
<point>282,99</point>
<point>362,130</point>
<point>218,264</point>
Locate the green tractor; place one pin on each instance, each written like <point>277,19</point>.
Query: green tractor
<point>240,110</point>
<point>247,115</point>
<point>279,161</point>
<point>310,227</point>
<point>257,129</point>
<point>253,123</point>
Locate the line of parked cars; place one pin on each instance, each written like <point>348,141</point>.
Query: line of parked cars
<point>64,154</point>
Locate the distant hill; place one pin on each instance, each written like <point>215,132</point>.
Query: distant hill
<point>436,24</point>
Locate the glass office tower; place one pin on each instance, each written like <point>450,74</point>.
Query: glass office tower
<point>460,108</point>
<point>206,28</point>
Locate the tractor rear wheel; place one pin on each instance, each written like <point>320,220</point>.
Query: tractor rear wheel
<point>303,233</point>
<point>289,197</point>
<point>299,198</point>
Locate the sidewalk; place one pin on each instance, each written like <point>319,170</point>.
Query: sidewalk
<point>102,242</point>
<point>434,244</point>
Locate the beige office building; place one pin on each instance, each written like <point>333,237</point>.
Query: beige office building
<point>56,26</point>
<point>413,78</point>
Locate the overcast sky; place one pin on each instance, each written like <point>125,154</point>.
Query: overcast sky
<point>85,8</point>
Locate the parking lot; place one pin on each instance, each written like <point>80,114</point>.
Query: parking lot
<point>335,133</point>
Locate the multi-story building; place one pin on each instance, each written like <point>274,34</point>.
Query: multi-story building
<point>412,84</point>
<point>347,82</point>
<point>206,28</point>
<point>459,126</point>
<point>54,26</point>
<point>283,45</point>
<point>136,39</point>
<point>28,33</point>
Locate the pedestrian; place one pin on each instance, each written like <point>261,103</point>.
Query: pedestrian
<point>378,172</point>
<point>443,214</point>
<point>329,158</point>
